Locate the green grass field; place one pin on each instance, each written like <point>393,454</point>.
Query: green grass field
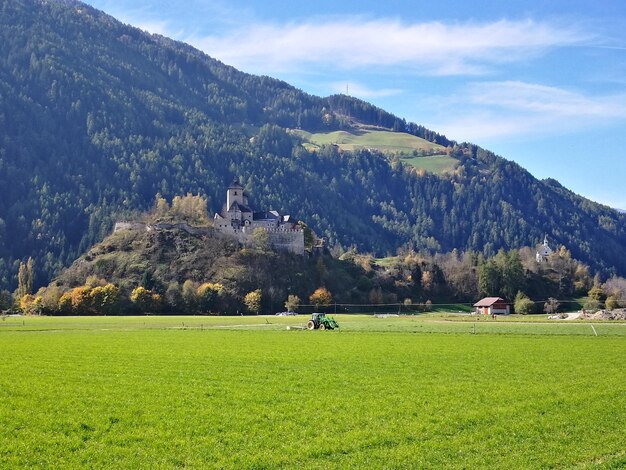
<point>385,141</point>
<point>393,143</point>
<point>428,391</point>
<point>437,164</point>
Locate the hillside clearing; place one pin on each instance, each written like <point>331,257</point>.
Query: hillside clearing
<point>382,140</point>
<point>437,164</point>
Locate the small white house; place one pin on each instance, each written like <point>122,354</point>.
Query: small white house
<point>492,306</point>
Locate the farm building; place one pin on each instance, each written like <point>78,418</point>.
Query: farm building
<point>492,306</point>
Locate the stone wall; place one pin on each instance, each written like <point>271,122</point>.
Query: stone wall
<point>129,226</point>
<point>279,238</point>
<point>287,240</point>
<point>283,239</point>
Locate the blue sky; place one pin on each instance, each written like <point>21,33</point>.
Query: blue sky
<point>542,83</point>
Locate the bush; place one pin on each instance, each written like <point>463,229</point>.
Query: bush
<point>592,305</point>
<point>611,303</point>
<point>551,306</point>
<point>523,305</point>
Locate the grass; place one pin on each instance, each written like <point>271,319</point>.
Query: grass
<point>437,164</point>
<point>243,392</point>
<point>387,261</point>
<point>393,143</point>
<point>384,141</point>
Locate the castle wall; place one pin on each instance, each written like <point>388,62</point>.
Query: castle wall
<point>283,239</point>
<point>129,226</point>
<point>292,240</point>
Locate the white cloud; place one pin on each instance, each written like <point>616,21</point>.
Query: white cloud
<point>514,109</point>
<point>430,48</point>
<point>546,100</point>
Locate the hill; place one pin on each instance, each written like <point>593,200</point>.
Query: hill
<point>174,261</point>
<point>160,259</point>
<point>97,117</point>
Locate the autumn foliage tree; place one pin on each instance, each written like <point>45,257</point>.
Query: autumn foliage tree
<point>321,297</point>
<point>207,295</point>
<point>145,300</point>
<point>253,301</point>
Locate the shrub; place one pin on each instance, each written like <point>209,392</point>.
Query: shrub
<point>523,305</point>
<point>551,306</point>
<point>592,305</point>
<point>611,303</point>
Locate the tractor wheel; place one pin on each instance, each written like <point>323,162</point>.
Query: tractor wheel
<point>322,326</point>
<point>310,325</point>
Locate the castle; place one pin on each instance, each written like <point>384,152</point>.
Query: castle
<point>238,220</point>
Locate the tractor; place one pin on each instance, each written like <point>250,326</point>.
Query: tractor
<point>319,321</point>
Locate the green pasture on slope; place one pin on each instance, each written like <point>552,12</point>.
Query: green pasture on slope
<point>226,392</point>
<point>385,141</point>
<point>435,164</point>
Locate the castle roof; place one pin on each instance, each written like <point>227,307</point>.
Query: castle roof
<point>271,215</point>
<point>235,185</point>
<point>236,207</point>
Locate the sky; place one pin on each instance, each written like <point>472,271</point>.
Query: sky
<point>542,83</point>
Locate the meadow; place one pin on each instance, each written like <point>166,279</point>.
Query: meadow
<point>430,391</point>
<point>437,164</point>
<point>383,140</point>
<point>396,143</point>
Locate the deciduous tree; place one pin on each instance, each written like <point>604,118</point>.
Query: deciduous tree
<point>252,300</point>
<point>321,297</point>
<point>292,303</point>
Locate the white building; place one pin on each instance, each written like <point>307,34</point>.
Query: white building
<point>544,251</point>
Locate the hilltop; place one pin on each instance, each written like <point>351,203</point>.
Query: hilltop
<point>97,117</point>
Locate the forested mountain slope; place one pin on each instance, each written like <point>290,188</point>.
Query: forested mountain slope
<point>97,117</point>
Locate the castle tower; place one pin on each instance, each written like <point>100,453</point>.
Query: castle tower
<point>235,194</point>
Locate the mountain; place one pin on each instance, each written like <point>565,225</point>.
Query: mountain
<point>97,117</point>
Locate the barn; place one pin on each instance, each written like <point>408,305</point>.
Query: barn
<point>492,306</point>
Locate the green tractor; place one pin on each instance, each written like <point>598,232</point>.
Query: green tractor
<point>319,321</point>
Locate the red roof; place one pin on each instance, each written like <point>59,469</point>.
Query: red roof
<point>488,301</point>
